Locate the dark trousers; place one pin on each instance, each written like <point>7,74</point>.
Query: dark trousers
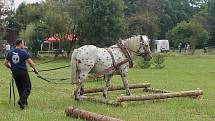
<point>23,84</point>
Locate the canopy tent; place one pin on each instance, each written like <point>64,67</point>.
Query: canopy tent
<point>56,39</point>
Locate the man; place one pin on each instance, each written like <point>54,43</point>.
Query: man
<point>16,61</point>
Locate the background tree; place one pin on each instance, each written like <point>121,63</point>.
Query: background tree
<point>34,35</point>
<point>103,22</point>
<point>188,32</point>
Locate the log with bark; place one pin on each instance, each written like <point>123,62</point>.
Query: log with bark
<point>103,101</point>
<point>114,88</point>
<point>89,116</point>
<point>155,90</point>
<point>192,93</point>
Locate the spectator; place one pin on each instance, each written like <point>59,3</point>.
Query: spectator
<point>7,49</point>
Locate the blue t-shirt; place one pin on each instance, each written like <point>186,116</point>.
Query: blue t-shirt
<point>17,58</point>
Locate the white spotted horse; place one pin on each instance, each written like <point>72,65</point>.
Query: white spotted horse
<point>90,58</point>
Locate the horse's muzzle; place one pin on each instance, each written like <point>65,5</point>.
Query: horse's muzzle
<point>147,57</point>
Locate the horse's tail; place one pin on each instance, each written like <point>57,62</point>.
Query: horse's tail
<point>74,67</point>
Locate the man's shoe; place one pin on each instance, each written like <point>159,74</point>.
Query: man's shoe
<point>21,105</point>
<point>26,103</point>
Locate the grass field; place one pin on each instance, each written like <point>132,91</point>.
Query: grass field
<point>47,102</point>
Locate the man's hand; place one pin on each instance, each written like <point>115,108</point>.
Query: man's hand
<point>33,67</point>
<point>34,70</point>
<point>6,63</point>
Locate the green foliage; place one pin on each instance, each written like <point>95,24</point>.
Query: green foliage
<point>34,35</point>
<point>144,23</point>
<point>211,20</point>
<point>188,32</point>
<point>158,61</point>
<point>144,64</point>
<point>103,22</point>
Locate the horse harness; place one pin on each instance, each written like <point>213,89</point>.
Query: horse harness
<point>125,51</point>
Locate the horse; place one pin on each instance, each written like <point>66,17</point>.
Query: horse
<point>90,58</point>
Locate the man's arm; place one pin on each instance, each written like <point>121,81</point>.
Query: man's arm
<point>6,63</point>
<point>31,63</point>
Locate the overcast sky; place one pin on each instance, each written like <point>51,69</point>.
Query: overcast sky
<point>17,2</point>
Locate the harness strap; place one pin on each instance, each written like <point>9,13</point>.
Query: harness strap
<point>99,74</point>
<point>112,57</point>
<point>126,53</point>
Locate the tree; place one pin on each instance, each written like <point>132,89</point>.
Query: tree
<point>144,23</point>
<point>103,22</point>
<point>34,35</point>
<point>188,32</point>
<point>211,20</point>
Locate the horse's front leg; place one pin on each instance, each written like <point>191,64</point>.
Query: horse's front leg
<point>124,75</point>
<point>107,82</point>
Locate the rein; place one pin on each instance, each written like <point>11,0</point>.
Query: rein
<point>53,69</point>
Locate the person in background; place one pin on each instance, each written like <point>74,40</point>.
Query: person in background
<point>7,49</point>
<point>16,61</point>
<point>179,47</point>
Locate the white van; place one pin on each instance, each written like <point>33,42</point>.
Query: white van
<point>162,46</point>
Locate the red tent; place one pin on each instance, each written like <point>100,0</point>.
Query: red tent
<point>53,39</point>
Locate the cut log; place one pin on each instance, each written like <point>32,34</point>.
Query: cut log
<point>155,90</point>
<point>114,88</point>
<point>89,116</point>
<point>103,101</point>
<point>193,93</point>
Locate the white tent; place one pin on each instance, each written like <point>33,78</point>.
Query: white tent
<point>162,45</point>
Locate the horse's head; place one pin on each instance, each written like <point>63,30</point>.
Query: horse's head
<point>140,45</point>
<point>144,49</point>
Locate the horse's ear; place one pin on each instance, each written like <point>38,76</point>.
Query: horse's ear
<point>141,37</point>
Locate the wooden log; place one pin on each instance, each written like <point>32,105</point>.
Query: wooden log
<point>114,88</point>
<point>193,93</point>
<point>103,101</point>
<point>155,90</point>
<point>89,116</point>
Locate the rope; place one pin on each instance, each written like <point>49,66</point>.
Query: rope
<point>12,88</point>
<point>50,80</point>
<point>47,62</point>
<point>53,69</point>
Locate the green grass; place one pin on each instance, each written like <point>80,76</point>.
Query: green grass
<point>47,102</point>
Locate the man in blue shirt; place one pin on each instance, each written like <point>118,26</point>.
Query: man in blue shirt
<point>16,61</point>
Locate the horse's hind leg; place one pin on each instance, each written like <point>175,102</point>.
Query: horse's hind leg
<point>79,87</point>
<point>107,81</point>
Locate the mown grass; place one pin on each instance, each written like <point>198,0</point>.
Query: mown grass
<point>47,102</point>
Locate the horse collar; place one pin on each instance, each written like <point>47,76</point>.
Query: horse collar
<point>125,51</point>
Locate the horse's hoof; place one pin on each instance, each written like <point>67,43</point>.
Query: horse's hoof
<point>105,95</point>
<point>77,99</point>
<point>82,91</point>
<point>128,93</point>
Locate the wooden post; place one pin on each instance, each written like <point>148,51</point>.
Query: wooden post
<point>113,88</point>
<point>86,115</point>
<point>155,90</point>
<point>103,101</point>
<point>193,93</point>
